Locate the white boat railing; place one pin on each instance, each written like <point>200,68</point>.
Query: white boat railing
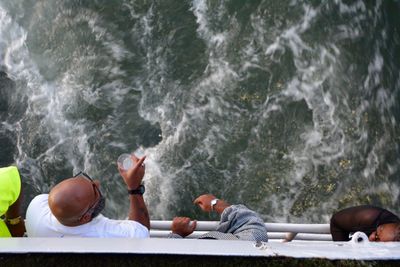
<point>283,231</point>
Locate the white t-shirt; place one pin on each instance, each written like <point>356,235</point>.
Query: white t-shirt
<point>40,222</point>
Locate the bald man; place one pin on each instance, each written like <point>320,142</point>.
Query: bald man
<point>72,208</point>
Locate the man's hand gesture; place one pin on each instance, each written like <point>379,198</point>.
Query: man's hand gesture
<point>133,177</point>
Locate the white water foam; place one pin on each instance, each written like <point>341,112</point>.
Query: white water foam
<point>49,100</point>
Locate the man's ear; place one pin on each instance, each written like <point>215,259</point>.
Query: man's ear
<point>85,218</point>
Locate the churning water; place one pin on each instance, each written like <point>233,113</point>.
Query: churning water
<point>289,106</point>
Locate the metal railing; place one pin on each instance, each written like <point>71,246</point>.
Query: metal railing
<point>284,231</point>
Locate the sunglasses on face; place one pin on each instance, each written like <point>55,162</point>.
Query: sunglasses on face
<point>97,206</point>
<point>84,175</point>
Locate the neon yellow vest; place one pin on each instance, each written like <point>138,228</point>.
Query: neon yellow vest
<point>10,188</point>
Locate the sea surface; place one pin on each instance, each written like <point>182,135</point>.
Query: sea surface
<point>290,107</point>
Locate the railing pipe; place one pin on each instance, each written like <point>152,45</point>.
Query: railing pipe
<point>271,236</point>
<point>271,227</point>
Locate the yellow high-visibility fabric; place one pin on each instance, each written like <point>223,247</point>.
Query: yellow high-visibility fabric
<point>10,188</point>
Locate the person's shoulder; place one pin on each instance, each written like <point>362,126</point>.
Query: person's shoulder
<point>38,217</point>
<point>360,208</point>
<point>10,180</point>
<point>238,208</point>
<point>101,219</point>
<point>120,228</point>
<point>8,171</point>
<point>369,206</point>
<point>40,198</point>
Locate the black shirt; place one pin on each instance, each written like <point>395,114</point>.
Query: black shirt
<point>364,218</point>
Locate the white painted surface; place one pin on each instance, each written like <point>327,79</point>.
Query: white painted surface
<point>297,249</point>
<point>312,241</point>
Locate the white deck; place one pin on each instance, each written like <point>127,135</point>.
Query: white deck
<point>162,246</point>
<point>310,241</point>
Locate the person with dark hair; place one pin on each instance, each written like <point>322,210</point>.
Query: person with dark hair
<point>12,224</point>
<point>237,222</point>
<point>72,208</point>
<point>378,224</point>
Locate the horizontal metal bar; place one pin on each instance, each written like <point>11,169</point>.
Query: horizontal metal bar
<point>298,228</point>
<point>275,235</point>
<point>271,227</point>
<point>201,225</point>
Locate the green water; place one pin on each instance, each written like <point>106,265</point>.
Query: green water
<point>290,107</point>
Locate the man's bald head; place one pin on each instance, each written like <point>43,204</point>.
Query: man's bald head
<point>70,200</point>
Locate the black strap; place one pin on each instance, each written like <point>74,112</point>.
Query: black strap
<point>138,191</point>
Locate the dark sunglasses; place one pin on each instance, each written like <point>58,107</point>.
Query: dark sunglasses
<point>95,205</point>
<point>83,174</point>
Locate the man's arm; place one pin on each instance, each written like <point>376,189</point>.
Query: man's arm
<point>238,220</point>
<point>138,210</point>
<point>244,223</point>
<point>204,202</point>
<point>133,178</point>
<point>338,229</point>
<point>14,221</point>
